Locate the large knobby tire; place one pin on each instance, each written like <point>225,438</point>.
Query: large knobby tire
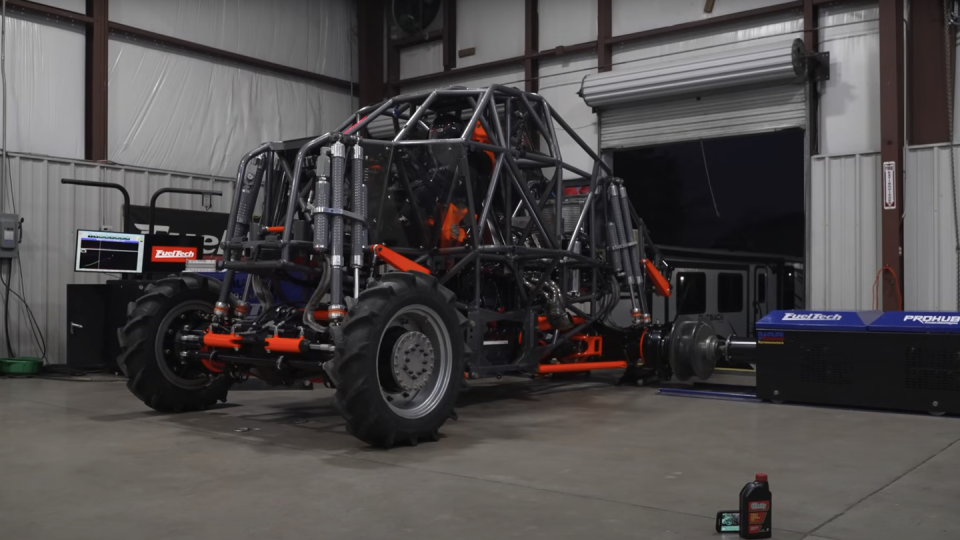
<point>154,375</point>
<point>407,316</point>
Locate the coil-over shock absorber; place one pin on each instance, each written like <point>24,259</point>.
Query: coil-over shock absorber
<point>250,189</point>
<point>635,253</point>
<point>338,158</point>
<point>619,230</point>
<point>321,198</point>
<point>359,206</point>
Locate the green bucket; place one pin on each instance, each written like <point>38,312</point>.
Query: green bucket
<point>20,366</point>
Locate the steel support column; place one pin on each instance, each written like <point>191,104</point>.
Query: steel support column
<point>370,34</point>
<point>811,40</point>
<point>531,45</point>
<point>891,150</point>
<point>449,34</point>
<point>927,88</point>
<point>97,57</point>
<point>604,33</point>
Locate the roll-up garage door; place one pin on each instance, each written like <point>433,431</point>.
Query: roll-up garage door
<point>740,92</point>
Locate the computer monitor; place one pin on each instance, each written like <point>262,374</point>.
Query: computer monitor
<point>109,252</point>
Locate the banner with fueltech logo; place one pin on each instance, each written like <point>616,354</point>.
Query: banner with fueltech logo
<point>837,321</point>
<point>211,226</point>
<point>173,254</point>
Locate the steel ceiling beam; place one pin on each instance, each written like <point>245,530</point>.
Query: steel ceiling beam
<point>929,52</point>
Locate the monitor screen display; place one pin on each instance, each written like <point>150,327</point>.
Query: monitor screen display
<point>109,252</point>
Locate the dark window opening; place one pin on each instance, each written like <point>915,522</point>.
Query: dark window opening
<point>761,288</point>
<point>729,293</point>
<point>755,185</point>
<point>691,293</point>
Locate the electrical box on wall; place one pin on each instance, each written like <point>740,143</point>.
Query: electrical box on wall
<point>10,235</point>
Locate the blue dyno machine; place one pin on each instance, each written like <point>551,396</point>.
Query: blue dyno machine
<point>894,360</point>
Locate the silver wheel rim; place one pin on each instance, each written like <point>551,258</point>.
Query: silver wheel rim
<point>417,339</point>
<point>188,375</point>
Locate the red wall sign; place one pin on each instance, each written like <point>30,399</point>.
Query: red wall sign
<point>173,254</point>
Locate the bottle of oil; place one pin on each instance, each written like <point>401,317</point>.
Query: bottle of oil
<point>756,509</point>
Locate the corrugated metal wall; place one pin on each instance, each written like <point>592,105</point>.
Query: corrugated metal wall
<point>53,213</point>
<point>844,217</point>
<point>929,238</point>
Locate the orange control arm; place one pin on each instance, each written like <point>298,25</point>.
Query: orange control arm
<point>221,341</point>
<point>660,282</point>
<point>397,260</point>
<point>283,345</point>
<point>581,366</point>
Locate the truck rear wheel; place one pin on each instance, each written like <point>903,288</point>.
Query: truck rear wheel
<point>401,364</point>
<point>149,352</point>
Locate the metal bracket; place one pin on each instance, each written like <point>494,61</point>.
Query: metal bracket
<point>819,65</point>
<point>340,212</point>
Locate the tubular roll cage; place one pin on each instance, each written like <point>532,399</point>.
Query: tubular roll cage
<point>285,164</point>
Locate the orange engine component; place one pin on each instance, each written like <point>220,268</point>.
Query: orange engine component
<point>480,135</point>
<point>283,345</point>
<point>453,231</point>
<point>397,260</point>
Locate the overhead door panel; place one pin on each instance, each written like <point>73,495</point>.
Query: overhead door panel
<point>739,112</point>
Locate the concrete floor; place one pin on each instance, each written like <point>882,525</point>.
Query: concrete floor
<point>583,460</point>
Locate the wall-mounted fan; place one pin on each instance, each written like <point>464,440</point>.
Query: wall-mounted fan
<point>415,16</point>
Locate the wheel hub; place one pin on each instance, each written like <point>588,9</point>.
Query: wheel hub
<point>413,360</point>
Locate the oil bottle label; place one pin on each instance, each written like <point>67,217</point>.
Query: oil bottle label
<point>757,518</point>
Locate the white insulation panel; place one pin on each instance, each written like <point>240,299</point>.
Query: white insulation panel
<point>493,27</point>
<point>844,231</point>
<point>698,43</point>
<point>312,35</point>
<point>79,6</point>
<point>930,270</point>
<point>638,15</point>
<point>45,79</point>
<point>184,113</point>
<point>421,60</point>
<point>850,100</point>
<point>509,76</point>
<point>559,83</point>
<point>566,22</point>
<point>52,214</point>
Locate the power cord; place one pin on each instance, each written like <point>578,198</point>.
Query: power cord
<point>31,318</point>
<point>876,288</point>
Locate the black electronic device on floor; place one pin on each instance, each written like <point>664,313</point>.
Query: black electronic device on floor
<point>896,360</point>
